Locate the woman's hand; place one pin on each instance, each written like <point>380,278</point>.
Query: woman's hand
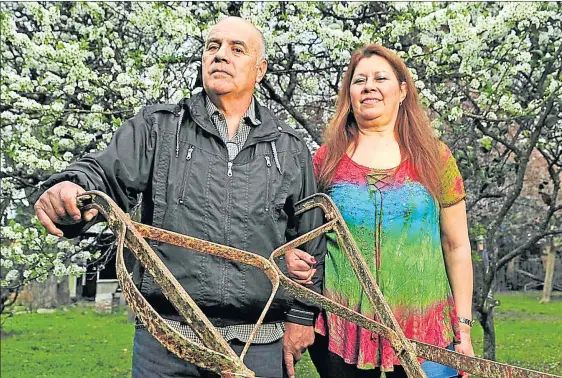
<point>465,347</point>
<point>300,265</point>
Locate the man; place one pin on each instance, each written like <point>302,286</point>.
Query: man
<point>219,167</point>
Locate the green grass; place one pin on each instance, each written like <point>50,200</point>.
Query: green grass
<point>73,343</point>
<point>81,343</point>
<point>528,333</point>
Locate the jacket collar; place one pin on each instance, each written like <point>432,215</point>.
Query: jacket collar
<point>267,130</point>
<point>249,117</point>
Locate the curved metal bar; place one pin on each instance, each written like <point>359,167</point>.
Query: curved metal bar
<point>474,365</point>
<point>215,354</point>
<point>404,349</point>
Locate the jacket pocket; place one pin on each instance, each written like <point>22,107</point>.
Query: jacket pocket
<point>186,174</point>
<point>268,183</point>
<point>284,185</point>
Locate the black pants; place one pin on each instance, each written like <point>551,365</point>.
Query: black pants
<point>330,365</point>
<point>151,359</point>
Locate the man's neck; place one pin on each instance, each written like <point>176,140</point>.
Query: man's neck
<point>231,107</point>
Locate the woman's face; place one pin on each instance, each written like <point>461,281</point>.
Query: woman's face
<point>375,92</point>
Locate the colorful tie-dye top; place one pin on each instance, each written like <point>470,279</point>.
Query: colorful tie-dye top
<point>395,223</point>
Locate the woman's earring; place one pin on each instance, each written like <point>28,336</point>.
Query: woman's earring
<point>400,104</point>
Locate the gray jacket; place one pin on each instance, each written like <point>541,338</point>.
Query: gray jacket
<point>173,155</point>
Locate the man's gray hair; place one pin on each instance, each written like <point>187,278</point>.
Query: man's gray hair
<point>263,50</point>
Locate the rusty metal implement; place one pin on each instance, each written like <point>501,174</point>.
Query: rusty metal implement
<point>387,327</point>
<point>214,353</point>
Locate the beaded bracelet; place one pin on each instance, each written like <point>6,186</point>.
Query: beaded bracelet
<point>466,321</point>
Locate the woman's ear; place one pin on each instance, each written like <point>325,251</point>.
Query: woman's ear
<point>403,91</point>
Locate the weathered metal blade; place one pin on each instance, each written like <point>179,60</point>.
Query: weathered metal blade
<point>474,365</point>
<point>215,354</point>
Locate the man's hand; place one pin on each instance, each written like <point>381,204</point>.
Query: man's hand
<point>58,205</point>
<point>299,264</point>
<point>465,347</point>
<point>295,341</point>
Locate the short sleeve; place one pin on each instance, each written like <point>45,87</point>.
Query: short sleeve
<point>318,158</point>
<point>452,185</point>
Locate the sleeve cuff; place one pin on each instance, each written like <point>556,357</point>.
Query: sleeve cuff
<point>75,230</point>
<point>73,176</point>
<point>300,317</point>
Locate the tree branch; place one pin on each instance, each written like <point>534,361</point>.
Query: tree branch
<point>308,126</point>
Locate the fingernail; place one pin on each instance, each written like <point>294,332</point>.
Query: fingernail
<point>60,234</point>
<point>313,260</point>
<point>77,217</point>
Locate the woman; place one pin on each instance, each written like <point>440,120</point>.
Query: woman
<point>401,194</point>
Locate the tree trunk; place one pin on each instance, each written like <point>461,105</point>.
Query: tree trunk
<point>8,298</point>
<point>487,322</point>
<point>484,306</point>
<point>549,273</point>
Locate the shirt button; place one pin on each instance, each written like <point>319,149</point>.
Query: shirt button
<point>279,128</point>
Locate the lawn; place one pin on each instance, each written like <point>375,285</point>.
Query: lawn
<point>78,342</point>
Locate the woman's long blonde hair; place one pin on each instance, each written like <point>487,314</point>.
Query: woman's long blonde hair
<point>417,141</point>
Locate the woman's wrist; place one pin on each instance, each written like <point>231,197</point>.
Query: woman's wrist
<point>464,328</point>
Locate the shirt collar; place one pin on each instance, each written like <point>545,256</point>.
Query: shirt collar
<point>249,117</point>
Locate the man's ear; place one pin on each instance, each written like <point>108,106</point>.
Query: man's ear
<point>262,68</point>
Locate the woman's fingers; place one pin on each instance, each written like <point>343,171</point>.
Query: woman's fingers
<point>300,266</point>
<point>302,255</point>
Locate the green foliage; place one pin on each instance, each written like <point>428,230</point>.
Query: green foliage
<point>477,230</point>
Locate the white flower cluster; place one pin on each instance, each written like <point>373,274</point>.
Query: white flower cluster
<point>71,77</point>
<point>33,254</point>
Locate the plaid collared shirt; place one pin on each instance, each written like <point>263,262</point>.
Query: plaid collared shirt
<point>267,333</point>
<point>235,144</point>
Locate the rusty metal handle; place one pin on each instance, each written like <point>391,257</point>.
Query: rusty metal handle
<point>474,365</point>
<point>215,354</point>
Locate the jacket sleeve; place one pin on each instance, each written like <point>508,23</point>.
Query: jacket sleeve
<point>301,312</point>
<point>122,170</point>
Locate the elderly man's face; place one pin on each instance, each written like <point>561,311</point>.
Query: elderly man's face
<point>230,59</point>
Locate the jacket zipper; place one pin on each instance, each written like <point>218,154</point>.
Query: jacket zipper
<point>186,173</point>
<point>268,179</point>
<point>227,230</point>
<point>229,171</point>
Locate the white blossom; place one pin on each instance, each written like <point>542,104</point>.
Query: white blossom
<point>69,79</point>
<point>12,276</point>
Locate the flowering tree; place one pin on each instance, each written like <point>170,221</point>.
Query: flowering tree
<point>71,73</point>
<point>489,74</point>
<point>492,75</point>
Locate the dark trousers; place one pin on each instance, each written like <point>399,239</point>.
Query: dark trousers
<point>151,359</point>
<point>330,365</point>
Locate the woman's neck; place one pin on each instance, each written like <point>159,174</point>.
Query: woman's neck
<point>376,148</point>
<point>378,135</point>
